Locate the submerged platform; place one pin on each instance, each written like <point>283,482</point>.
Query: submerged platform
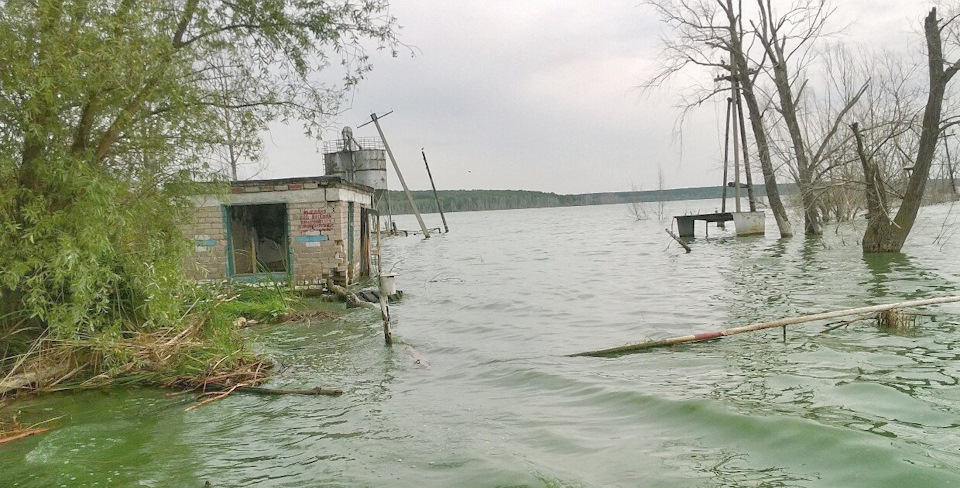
<point>746,223</point>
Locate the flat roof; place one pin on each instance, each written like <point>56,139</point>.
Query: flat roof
<point>318,180</point>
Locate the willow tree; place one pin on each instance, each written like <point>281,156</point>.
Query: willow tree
<point>883,233</point>
<point>109,108</point>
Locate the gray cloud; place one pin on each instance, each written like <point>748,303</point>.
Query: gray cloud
<point>541,95</point>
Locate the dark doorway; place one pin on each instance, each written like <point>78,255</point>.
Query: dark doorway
<point>259,238</point>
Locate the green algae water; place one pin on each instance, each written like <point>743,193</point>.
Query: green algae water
<point>490,311</point>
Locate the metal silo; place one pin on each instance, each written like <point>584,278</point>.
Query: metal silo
<point>357,160</point>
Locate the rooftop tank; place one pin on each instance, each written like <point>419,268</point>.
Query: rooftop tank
<point>357,160</point>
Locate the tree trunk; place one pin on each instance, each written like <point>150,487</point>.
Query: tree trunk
<point>885,235</point>
<point>877,209</point>
<point>788,108</point>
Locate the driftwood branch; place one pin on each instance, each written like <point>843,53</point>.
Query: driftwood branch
<point>643,346</point>
<point>349,296</point>
<point>22,434</point>
<point>17,431</point>
<point>214,396</point>
<point>678,239</point>
<point>279,391</point>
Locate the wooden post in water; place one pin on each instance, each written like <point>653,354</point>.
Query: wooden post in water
<point>384,308</point>
<point>396,167</point>
<point>439,209</point>
<point>385,312</point>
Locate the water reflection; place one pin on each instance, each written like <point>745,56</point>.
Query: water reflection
<point>895,275</point>
<point>859,379</point>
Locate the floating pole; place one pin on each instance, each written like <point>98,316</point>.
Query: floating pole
<point>643,346</point>
<point>413,204</point>
<point>439,209</point>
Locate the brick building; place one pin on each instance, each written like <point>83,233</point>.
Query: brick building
<point>305,230</point>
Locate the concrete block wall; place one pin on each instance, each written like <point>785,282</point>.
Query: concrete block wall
<point>209,254</point>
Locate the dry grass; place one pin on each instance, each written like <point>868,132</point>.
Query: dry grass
<point>164,357</point>
<point>896,320</point>
<point>204,353</point>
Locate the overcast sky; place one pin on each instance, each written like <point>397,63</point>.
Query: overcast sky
<point>542,95</point>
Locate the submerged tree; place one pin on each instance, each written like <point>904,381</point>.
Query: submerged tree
<point>786,39</point>
<point>708,34</point>
<point>883,233</point>
<point>110,108</point>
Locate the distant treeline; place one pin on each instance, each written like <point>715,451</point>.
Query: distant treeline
<point>472,200</point>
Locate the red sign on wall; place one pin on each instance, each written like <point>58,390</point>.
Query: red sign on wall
<point>316,219</point>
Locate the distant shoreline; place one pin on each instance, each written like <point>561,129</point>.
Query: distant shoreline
<point>477,200</point>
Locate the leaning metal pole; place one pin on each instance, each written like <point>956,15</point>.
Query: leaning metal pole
<point>439,208</point>
<point>413,204</point>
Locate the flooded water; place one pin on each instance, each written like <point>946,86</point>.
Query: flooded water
<point>491,309</point>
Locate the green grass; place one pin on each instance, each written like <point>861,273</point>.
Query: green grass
<point>204,347</point>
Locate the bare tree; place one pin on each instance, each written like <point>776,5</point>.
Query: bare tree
<point>883,233</point>
<point>708,34</point>
<point>238,142</point>
<point>786,40</point>
<point>636,208</point>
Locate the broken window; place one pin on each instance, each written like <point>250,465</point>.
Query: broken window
<point>259,238</point>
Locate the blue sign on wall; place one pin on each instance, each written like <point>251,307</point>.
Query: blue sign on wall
<point>311,238</point>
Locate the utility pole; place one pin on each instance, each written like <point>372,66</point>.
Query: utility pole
<point>746,158</point>
<point>437,198</point>
<point>726,160</point>
<point>396,167</point>
<point>946,147</point>
<point>736,144</point>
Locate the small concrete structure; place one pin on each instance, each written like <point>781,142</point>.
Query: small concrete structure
<point>746,223</point>
<point>685,222</point>
<point>302,230</point>
<point>749,223</point>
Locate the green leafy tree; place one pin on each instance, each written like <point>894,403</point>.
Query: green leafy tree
<point>110,108</point>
